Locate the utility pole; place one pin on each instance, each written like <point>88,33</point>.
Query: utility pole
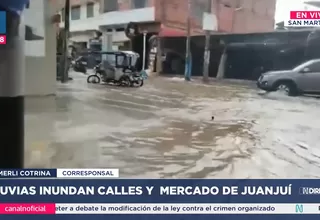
<point>64,62</point>
<point>144,50</point>
<point>12,67</point>
<point>206,59</point>
<point>187,70</point>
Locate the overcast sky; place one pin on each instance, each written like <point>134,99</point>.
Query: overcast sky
<point>284,6</point>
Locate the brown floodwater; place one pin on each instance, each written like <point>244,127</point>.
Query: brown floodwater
<point>165,130</point>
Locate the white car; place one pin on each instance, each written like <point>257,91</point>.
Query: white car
<point>303,79</point>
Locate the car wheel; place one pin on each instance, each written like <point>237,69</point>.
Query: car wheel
<point>287,88</point>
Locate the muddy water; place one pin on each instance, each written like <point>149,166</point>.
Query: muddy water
<point>165,130</point>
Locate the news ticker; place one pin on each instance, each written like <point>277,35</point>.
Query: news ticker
<point>93,174</point>
<point>158,208</point>
<point>59,173</point>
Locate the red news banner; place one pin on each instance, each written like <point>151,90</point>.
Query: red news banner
<point>307,15</point>
<point>3,39</point>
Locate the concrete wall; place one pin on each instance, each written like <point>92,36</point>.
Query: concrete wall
<point>174,13</point>
<point>242,16</point>
<point>247,16</point>
<point>40,76</point>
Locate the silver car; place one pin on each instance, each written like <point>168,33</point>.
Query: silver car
<point>303,79</point>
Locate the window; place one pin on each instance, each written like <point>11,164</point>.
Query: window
<point>315,67</point>
<point>139,3</point>
<point>111,58</point>
<point>63,15</point>
<point>311,64</point>
<point>96,47</point>
<point>75,13</point>
<point>120,60</point>
<point>110,5</point>
<point>90,10</point>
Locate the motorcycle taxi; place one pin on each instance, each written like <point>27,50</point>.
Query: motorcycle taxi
<point>117,68</point>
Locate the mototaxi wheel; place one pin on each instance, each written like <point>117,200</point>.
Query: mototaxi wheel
<point>94,79</point>
<point>125,81</point>
<point>139,83</point>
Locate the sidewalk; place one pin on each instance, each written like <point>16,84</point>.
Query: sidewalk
<point>212,81</point>
<point>49,121</point>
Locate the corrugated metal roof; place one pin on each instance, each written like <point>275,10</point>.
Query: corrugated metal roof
<point>171,32</point>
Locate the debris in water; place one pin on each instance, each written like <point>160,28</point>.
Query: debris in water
<point>303,145</point>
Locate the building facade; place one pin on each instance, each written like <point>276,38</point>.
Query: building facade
<point>112,16</point>
<point>246,16</point>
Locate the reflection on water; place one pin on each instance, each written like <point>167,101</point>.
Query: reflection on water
<point>164,130</point>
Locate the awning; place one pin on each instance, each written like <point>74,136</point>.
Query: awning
<point>171,32</point>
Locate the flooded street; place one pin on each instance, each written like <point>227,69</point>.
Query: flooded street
<point>165,130</point>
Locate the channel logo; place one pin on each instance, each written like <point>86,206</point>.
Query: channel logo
<point>299,208</point>
<point>309,191</point>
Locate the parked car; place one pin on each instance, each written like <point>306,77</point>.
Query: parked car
<point>80,64</point>
<point>303,79</point>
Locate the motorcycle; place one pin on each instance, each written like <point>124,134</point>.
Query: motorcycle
<point>79,65</point>
<point>118,69</point>
<point>102,75</point>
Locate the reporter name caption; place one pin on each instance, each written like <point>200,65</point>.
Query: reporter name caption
<point>59,173</point>
<point>159,209</point>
